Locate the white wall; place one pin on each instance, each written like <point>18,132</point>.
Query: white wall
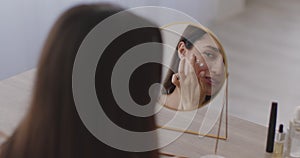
<point>229,8</point>
<point>25,24</point>
<point>205,11</point>
<point>263,46</point>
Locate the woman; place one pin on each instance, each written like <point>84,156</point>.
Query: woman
<point>201,71</point>
<point>52,127</point>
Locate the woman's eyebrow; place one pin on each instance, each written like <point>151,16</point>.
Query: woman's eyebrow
<point>213,48</point>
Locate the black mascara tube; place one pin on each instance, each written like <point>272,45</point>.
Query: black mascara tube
<point>272,127</point>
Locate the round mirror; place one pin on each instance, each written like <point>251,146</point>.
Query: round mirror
<point>197,72</point>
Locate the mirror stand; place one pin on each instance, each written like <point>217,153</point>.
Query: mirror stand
<point>217,137</point>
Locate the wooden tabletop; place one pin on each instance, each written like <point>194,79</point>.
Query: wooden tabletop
<point>245,140</point>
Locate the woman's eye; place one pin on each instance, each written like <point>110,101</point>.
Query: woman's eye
<point>208,54</point>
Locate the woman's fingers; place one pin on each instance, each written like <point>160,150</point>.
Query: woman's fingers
<point>175,80</point>
<point>181,69</point>
<point>192,65</point>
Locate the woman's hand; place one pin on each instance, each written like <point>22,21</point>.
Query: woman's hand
<point>187,83</point>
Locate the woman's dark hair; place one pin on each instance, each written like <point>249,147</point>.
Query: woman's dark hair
<point>190,35</point>
<point>52,127</point>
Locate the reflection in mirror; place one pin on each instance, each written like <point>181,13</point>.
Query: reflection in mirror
<point>196,77</point>
<point>199,66</point>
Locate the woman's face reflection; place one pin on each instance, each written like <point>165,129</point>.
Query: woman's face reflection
<point>209,60</point>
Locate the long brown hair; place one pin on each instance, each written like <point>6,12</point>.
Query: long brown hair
<point>52,127</point>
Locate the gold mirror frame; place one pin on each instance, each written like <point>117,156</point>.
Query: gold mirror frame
<point>222,51</point>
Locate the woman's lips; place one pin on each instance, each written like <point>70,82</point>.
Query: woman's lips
<point>210,80</point>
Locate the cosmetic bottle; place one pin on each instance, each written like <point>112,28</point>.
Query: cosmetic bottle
<point>279,143</point>
<point>293,149</point>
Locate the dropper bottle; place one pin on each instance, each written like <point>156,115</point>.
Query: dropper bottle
<point>279,143</point>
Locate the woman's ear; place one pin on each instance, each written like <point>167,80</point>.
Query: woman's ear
<point>182,50</point>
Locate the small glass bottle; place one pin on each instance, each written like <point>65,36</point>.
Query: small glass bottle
<point>293,149</point>
<point>279,143</point>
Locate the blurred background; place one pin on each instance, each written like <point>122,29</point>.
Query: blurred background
<point>260,37</point>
